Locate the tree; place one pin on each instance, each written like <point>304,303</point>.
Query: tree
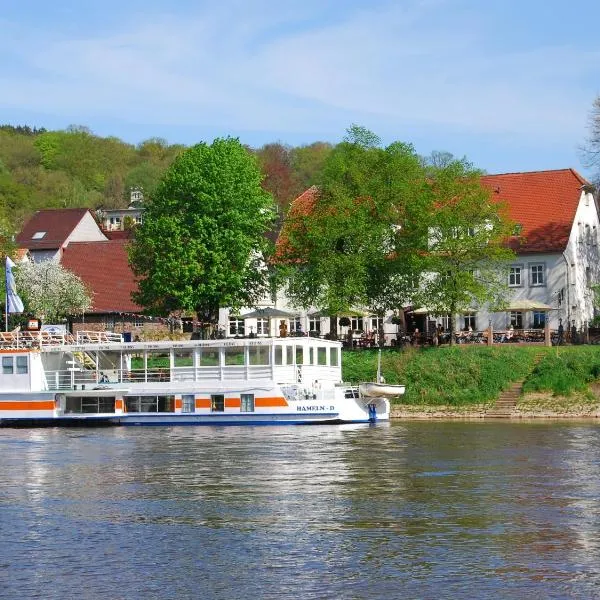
<point>308,163</point>
<point>591,150</point>
<point>339,249</point>
<point>50,291</point>
<point>201,244</point>
<point>466,261</point>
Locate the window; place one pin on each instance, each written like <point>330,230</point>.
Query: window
<point>356,323</point>
<point>514,276</point>
<point>322,356</point>
<point>445,321</point>
<point>376,322</point>
<point>333,357</point>
<point>7,365</point>
<point>138,321</point>
<point>539,319</point>
<point>588,234</point>
<point>21,365</point>
<point>537,275</point>
<point>278,355</point>
<point>588,276</point>
<point>149,403</point>
<point>469,321</point>
<point>188,403</point>
<point>594,236</point>
<point>299,355</point>
<point>516,319</point>
<point>247,402</point>
<point>217,403</point>
<point>234,356</point>
<point>38,235</point>
<point>262,326</point>
<point>259,355</point>
<point>237,326</point>
<point>295,325</point>
<point>314,324</point>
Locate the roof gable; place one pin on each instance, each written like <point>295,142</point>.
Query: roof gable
<point>56,226</point>
<point>104,267</point>
<point>543,203</point>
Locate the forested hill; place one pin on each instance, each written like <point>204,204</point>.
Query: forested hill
<point>75,168</point>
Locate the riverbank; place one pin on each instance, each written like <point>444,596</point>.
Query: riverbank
<point>464,382</point>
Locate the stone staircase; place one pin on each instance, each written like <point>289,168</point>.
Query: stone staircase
<point>507,401</point>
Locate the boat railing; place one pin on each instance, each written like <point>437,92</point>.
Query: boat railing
<point>34,339</point>
<point>98,337</point>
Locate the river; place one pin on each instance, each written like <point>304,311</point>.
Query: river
<point>407,510</point>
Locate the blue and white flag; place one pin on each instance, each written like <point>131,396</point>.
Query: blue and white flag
<point>14,304</point>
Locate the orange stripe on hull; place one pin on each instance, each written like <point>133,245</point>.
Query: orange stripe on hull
<point>202,403</point>
<point>27,405</point>
<point>233,403</point>
<point>270,402</point>
<point>178,403</point>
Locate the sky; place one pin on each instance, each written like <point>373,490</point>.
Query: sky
<point>507,83</point>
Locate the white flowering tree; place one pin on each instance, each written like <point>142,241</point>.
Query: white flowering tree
<point>51,292</point>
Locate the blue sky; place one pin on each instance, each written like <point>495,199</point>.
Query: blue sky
<point>507,83</point>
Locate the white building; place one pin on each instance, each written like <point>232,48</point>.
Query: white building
<point>557,262</point>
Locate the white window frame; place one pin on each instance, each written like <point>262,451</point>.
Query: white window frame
<point>357,323</point>
<point>516,319</point>
<point>376,322</point>
<point>314,324</point>
<point>533,275</point>
<point>514,273</point>
<point>262,326</point>
<point>237,325</point>
<point>470,320</point>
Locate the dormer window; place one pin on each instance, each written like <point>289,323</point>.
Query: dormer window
<point>38,235</point>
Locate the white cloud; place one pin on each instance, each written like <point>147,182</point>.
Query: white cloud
<point>249,66</point>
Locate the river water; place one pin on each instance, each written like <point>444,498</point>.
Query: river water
<point>407,510</point>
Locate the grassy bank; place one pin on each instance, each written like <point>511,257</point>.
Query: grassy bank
<point>458,376</point>
<point>566,371</point>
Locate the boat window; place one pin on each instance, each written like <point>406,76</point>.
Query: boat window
<point>217,403</point>
<point>278,355</point>
<point>189,403</point>
<point>259,355</point>
<point>150,403</point>
<point>333,357</point>
<point>299,355</point>
<point>234,355</point>
<point>247,402</point>
<point>89,404</point>
<point>311,356</point>
<point>322,356</point>
<point>184,358</point>
<point>7,365</point>
<point>289,351</point>
<point>209,357</point>
<point>21,365</point>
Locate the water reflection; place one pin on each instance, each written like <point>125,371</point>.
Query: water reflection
<point>429,510</point>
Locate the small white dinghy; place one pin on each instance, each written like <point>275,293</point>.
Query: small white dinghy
<point>380,389</point>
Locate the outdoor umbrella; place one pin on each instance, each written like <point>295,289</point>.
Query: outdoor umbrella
<point>269,313</point>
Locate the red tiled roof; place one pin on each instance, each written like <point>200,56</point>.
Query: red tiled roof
<point>58,223</point>
<point>542,202</point>
<point>103,266</point>
<point>118,234</point>
<point>302,206</point>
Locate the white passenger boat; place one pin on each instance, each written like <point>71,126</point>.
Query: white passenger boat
<point>96,378</point>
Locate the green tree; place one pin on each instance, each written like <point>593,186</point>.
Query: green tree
<point>202,245</point>
<point>51,292</point>
<point>466,260</point>
<point>340,246</point>
<point>308,163</point>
